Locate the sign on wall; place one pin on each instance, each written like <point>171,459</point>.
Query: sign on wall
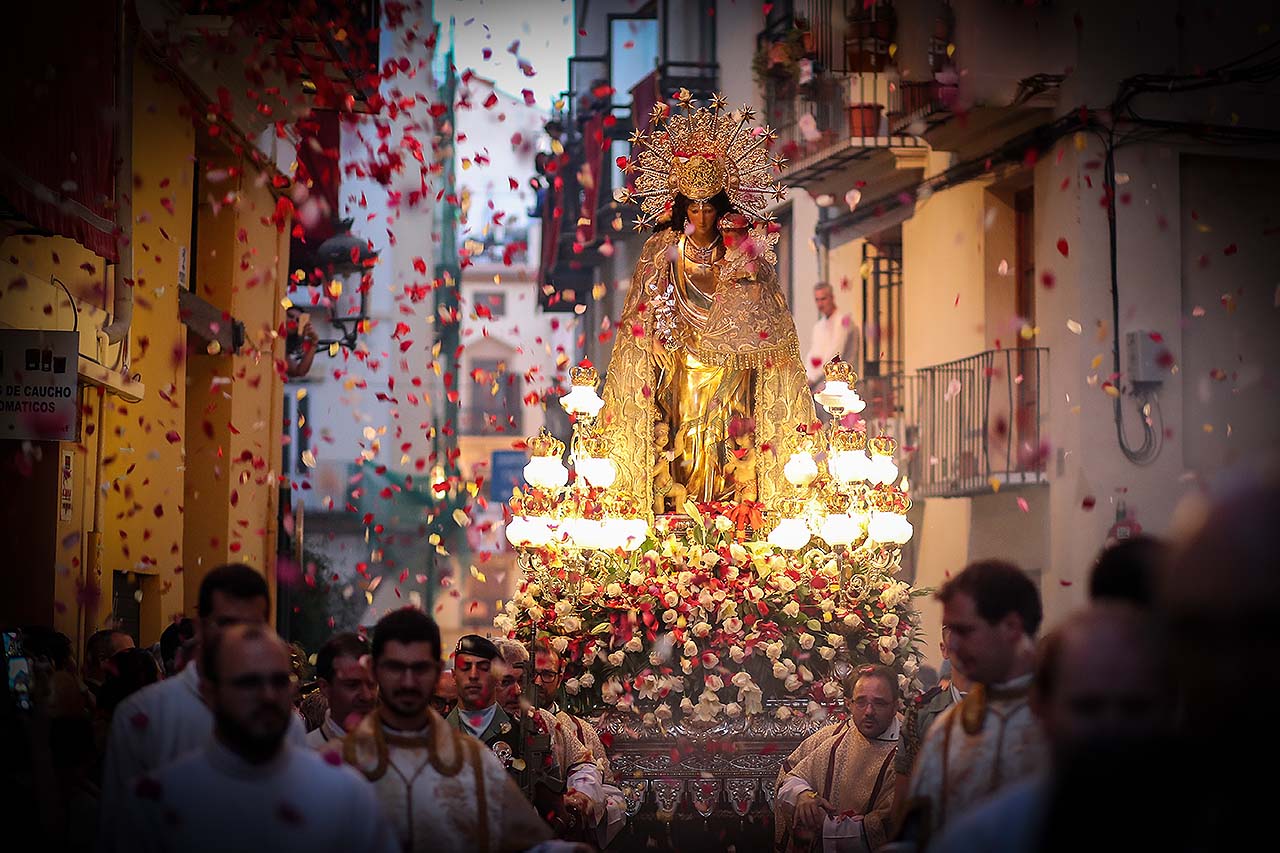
<point>39,374</point>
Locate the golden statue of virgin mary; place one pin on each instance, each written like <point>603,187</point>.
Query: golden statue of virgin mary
<point>705,383</point>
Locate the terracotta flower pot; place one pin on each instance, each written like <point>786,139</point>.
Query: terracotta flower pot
<point>864,119</point>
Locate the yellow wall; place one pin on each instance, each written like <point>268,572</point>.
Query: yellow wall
<point>942,269</point>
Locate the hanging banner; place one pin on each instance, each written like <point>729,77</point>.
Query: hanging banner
<point>39,397</point>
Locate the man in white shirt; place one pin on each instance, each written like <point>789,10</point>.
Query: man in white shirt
<point>834,334</point>
<point>170,718</point>
<point>342,670</point>
<point>249,788</point>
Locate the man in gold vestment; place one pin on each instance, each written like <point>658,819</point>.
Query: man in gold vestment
<point>442,788</point>
<point>838,784</point>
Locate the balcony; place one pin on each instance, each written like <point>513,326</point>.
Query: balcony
<point>966,427</point>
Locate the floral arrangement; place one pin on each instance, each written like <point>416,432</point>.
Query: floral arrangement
<point>705,623</point>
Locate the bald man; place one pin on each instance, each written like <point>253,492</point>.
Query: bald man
<point>250,788</point>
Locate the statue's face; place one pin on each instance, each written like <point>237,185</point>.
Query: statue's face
<point>702,216</point>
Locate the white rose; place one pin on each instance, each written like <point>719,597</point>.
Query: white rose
<point>671,599</point>
<point>723,524</point>
<point>741,679</point>
<point>827,653</point>
<point>686,704</point>
<point>714,682</point>
<point>791,683</point>
<point>684,578</point>
<point>690,648</point>
<point>533,589</point>
<point>886,658</point>
<point>655,659</point>
<point>570,624</point>
<point>780,670</point>
<point>733,709</point>
<point>649,720</point>
<point>889,621</point>
<point>792,609</point>
<point>663,712</point>
<point>710,660</point>
<point>636,578</point>
<point>887,644</point>
<point>613,590</point>
<point>736,654</point>
<point>805,674</point>
<point>587,679</point>
<point>774,651</point>
<point>670,617</point>
<point>588,588</point>
<point>831,689</point>
<point>806,641</point>
<point>732,625</point>
<point>783,583</point>
<point>835,641</point>
<point>853,620</point>
<point>634,644</point>
<point>702,629</point>
<point>686,666</point>
<point>563,607</point>
<point>571,686</point>
<point>617,658</point>
<point>783,713</point>
<point>737,553</point>
<point>560,644</point>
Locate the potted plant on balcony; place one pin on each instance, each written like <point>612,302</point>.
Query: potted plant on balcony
<point>864,119</point>
<point>780,57</point>
<point>868,34</point>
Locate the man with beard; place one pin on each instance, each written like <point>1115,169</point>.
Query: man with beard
<point>170,718</point>
<point>443,790</point>
<point>838,784</point>
<point>584,798</point>
<point>249,788</point>
<point>548,675</point>
<point>347,686</point>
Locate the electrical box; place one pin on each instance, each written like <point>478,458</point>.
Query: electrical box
<point>1143,365</point>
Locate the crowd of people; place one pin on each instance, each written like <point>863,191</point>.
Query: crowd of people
<point>1111,730</point>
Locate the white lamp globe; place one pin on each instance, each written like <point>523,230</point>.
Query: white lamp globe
<point>599,472</point>
<point>540,530</point>
<point>849,466</point>
<point>517,531</point>
<point>546,472</point>
<point>854,403</point>
<point>800,469</point>
<point>889,528</point>
<point>637,532</point>
<point>790,534</point>
<point>840,529</point>
<point>582,400</point>
<point>833,394</point>
<point>882,469</point>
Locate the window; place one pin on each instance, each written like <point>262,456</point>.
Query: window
<point>492,301</point>
<point>496,405</point>
<point>882,308</point>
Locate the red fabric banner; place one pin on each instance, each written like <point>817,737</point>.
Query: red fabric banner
<point>57,155</point>
<point>594,145</point>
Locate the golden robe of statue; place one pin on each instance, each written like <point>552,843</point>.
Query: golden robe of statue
<point>702,344</point>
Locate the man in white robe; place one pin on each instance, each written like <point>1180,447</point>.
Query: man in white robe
<point>248,787</point>
<point>991,739</point>
<point>170,718</point>
<point>838,785</point>
<point>342,670</point>
<point>443,790</point>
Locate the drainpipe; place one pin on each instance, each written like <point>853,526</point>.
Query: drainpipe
<point>117,331</point>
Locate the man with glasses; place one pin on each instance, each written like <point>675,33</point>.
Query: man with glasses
<point>170,718</point>
<point>249,788</point>
<point>548,675</point>
<point>838,785</point>
<point>442,789</point>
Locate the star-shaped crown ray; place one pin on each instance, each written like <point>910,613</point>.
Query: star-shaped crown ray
<point>697,154</point>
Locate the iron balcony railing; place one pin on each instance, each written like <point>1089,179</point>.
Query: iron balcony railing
<point>965,427</point>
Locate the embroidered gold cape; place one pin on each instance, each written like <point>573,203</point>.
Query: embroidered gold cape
<point>852,773</point>
<point>443,789</point>
<point>748,327</point>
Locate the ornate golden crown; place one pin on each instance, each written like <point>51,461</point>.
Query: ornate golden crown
<point>699,154</point>
<point>584,375</point>
<point>545,444</point>
<point>884,445</point>
<point>840,371</point>
<point>848,439</point>
<point>595,444</point>
<point>886,498</point>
